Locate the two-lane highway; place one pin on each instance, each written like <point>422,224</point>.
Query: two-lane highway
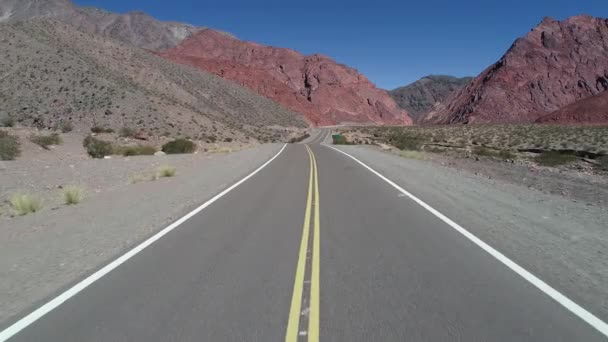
<point>312,246</point>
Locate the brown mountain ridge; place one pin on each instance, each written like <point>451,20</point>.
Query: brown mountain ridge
<point>326,92</point>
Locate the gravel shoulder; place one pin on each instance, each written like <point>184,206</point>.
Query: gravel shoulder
<point>560,239</point>
<point>49,250</point>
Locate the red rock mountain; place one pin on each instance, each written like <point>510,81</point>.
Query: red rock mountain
<point>556,64</point>
<point>593,110</point>
<point>326,92</point>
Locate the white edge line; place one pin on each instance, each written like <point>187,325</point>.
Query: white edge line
<point>57,301</point>
<point>566,302</point>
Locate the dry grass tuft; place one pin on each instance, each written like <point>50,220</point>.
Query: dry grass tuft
<point>73,194</point>
<point>25,204</point>
<point>166,171</point>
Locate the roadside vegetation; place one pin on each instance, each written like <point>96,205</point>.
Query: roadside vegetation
<point>98,148</point>
<point>101,129</point>
<point>339,139</point>
<point>73,194</point>
<point>179,146</point>
<point>9,146</point>
<point>25,204</point>
<point>166,171</point>
<point>546,145</point>
<point>45,141</point>
<point>133,150</point>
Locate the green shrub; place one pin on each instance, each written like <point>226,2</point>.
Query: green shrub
<point>179,146</point>
<point>72,194</point>
<point>7,121</point>
<point>554,158</point>
<point>127,132</point>
<point>166,171</point>
<point>25,204</point>
<point>97,148</point>
<point>45,141</point>
<point>99,129</point>
<point>339,139</point>
<point>137,150</point>
<point>9,146</point>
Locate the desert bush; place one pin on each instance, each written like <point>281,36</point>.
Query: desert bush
<point>554,158</point>
<point>7,121</point>
<point>179,146</point>
<point>97,148</point>
<point>9,146</point>
<point>127,132</point>
<point>136,150</point>
<point>166,171</point>
<point>45,141</point>
<point>72,194</point>
<point>100,129</point>
<point>25,204</point>
<point>339,139</point>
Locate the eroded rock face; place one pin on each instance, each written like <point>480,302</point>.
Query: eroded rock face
<point>326,92</point>
<point>556,64</point>
<point>592,110</point>
<point>422,96</point>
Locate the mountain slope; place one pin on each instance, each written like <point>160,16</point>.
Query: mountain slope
<point>326,92</point>
<point>135,28</point>
<point>557,63</point>
<point>51,72</point>
<point>418,98</point>
<point>592,110</point>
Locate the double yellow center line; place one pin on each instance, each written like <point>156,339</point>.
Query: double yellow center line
<point>305,306</point>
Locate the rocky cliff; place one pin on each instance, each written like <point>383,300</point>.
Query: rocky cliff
<point>326,92</point>
<point>592,110</point>
<point>556,64</point>
<point>420,97</point>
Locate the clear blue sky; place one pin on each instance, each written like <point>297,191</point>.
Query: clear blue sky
<point>392,42</point>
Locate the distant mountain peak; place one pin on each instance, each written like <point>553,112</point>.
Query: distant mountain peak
<point>555,64</point>
<point>136,27</point>
<point>419,97</point>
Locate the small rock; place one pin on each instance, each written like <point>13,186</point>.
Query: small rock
<point>160,153</point>
<point>107,157</point>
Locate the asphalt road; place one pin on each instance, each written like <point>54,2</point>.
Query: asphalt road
<point>312,246</point>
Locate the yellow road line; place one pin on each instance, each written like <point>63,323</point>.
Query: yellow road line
<point>293,325</point>
<point>296,299</point>
<point>313,319</point>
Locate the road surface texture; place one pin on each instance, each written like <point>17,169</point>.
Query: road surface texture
<point>314,246</point>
